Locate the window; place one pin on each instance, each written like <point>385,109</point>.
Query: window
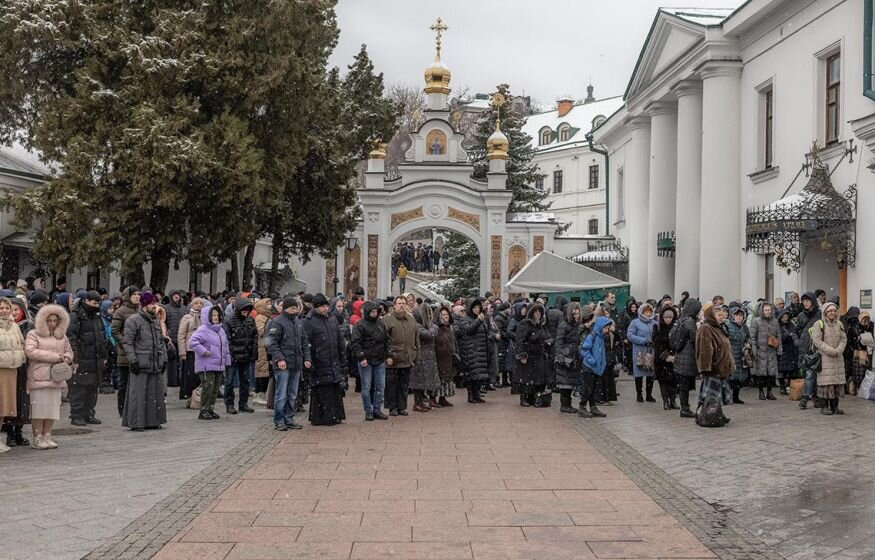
<point>546,136</point>
<point>593,176</point>
<point>564,133</point>
<point>833,95</point>
<point>768,128</point>
<point>92,279</point>
<point>594,226</point>
<point>539,183</point>
<point>557,181</point>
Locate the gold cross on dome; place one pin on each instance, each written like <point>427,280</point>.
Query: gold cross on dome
<point>438,27</point>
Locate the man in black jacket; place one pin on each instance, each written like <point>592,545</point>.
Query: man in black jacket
<point>88,340</point>
<point>289,350</point>
<point>243,343</point>
<point>175,310</point>
<point>370,347</point>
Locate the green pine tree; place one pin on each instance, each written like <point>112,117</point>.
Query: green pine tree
<point>463,264</point>
<point>522,172</point>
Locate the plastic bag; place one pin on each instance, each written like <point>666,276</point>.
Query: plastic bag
<point>865,389</point>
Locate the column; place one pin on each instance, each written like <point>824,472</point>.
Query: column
<point>720,210</point>
<point>663,183</point>
<point>689,178</point>
<point>637,180</point>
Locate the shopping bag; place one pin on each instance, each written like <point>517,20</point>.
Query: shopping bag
<point>195,401</point>
<point>797,387</point>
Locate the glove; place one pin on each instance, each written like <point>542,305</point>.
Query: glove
<point>135,368</point>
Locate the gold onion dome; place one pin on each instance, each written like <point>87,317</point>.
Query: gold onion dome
<point>437,76</point>
<point>497,145</point>
<point>378,151</point>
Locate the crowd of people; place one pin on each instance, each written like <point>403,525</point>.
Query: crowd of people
<point>298,351</point>
<point>416,258</point>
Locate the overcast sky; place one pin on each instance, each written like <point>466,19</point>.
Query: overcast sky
<point>545,48</point>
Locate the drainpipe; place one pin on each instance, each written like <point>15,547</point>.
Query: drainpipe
<point>593,149</point>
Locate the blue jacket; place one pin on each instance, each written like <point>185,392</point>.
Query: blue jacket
<point>592,349</point>
<point>640,334</point>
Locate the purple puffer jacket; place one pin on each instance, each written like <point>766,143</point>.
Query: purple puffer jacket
<point>210,345</point>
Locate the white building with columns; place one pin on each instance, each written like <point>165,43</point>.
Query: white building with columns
<point>719,118</point>
<point>574,176</point>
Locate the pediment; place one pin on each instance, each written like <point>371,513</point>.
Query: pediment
<point>670,38</point>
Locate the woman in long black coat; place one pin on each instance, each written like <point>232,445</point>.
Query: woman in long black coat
<point>445,354</point>
<point>567,354</point>
<point>532,370</point>
<point>424,379</point>
<point>327,381</point>
<point>472,338</point>
<point>664,357</point>
<point>629,314</point>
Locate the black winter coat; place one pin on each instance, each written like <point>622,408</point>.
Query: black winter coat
<point>242,333</point>
<point>445,349</point>
<point>501,321</point>
<point>683,340</point>
<point>175,313</point>
<point>88,340</point>
<point>531,345</point>
<point>663,370</point>
<point>326,349</point>
<point>369,339</point>
<point>472,341</point>
<point>285,340</point>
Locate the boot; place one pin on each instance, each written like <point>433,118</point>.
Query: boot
<point>10,436</point>
<point>803,403</point>
<point>472,398</point>
<point>419,408</point>
<point>826,410</point>
<point>638,383</point>
<point>524,400</point>
<point>649,390</point>
<point>444,402</point>
<point>736,392</point>
<point>685,405</point>
<point>583,412</point>
<point>595,412</point>
<point>762,396</point>
<point>565,402</point>
<point>665,404</point>
<point>432,403</point>
<point>769,395</point>
<point>783,384</point>
<point>834,406</point>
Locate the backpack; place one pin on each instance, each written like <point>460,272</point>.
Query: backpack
<point>710,413</point>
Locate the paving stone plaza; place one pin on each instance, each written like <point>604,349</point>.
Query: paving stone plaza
<point>490,481</point>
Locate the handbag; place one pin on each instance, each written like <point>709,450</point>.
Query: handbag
<point>61,372</point>
<point>797,387</point>
<point>748,357</point>
<point>194,401</point>
<point>774,341</point>
<point>644,360</point>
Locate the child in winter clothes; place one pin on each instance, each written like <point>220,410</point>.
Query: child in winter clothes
<point>594,358</point>
<point>211,357</point>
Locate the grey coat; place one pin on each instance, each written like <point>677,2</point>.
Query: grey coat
<point>424,375</point>
<point>683,340</point>
<point>767,357</point>
<point>144,344</point>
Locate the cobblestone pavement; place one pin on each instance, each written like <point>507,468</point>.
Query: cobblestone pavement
<point>61,504</point>
<point>484,481</point>
<point>803,482</point>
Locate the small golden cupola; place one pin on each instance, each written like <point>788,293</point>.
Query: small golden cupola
<point>497,144</point>
<point>437,76</point>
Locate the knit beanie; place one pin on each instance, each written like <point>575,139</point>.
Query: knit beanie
<point>147,298</point>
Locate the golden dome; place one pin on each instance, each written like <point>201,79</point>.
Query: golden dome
<point>379,151</point>
<point>437,76</point>
<point>497,144</point>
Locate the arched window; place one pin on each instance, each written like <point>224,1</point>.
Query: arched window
<point>564,133</point>
<point>598,121</point>
<point>546,136</point>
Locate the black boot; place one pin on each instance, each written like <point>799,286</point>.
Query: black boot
<point>665,404</point>
<point>783,384</point>
<point>736,391</point>
<point>762,396</point>
<point>672,401</point>
<point>769,395</point>
<point>685,404</point>
<point>638,383</point>
<point>834,406</point>
<point>524,400</point>
<point>19,437</point>
<point>649,390</point>
<point>565,402</point>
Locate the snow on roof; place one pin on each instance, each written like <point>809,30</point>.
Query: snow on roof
<point>602,255</point>
<point>580,116</point>
<point>16,158</point>
<point>700,16</point>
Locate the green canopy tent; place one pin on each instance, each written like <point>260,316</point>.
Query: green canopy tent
<point>553,276</point>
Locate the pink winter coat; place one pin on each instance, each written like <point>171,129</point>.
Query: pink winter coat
<point>44,349</point>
